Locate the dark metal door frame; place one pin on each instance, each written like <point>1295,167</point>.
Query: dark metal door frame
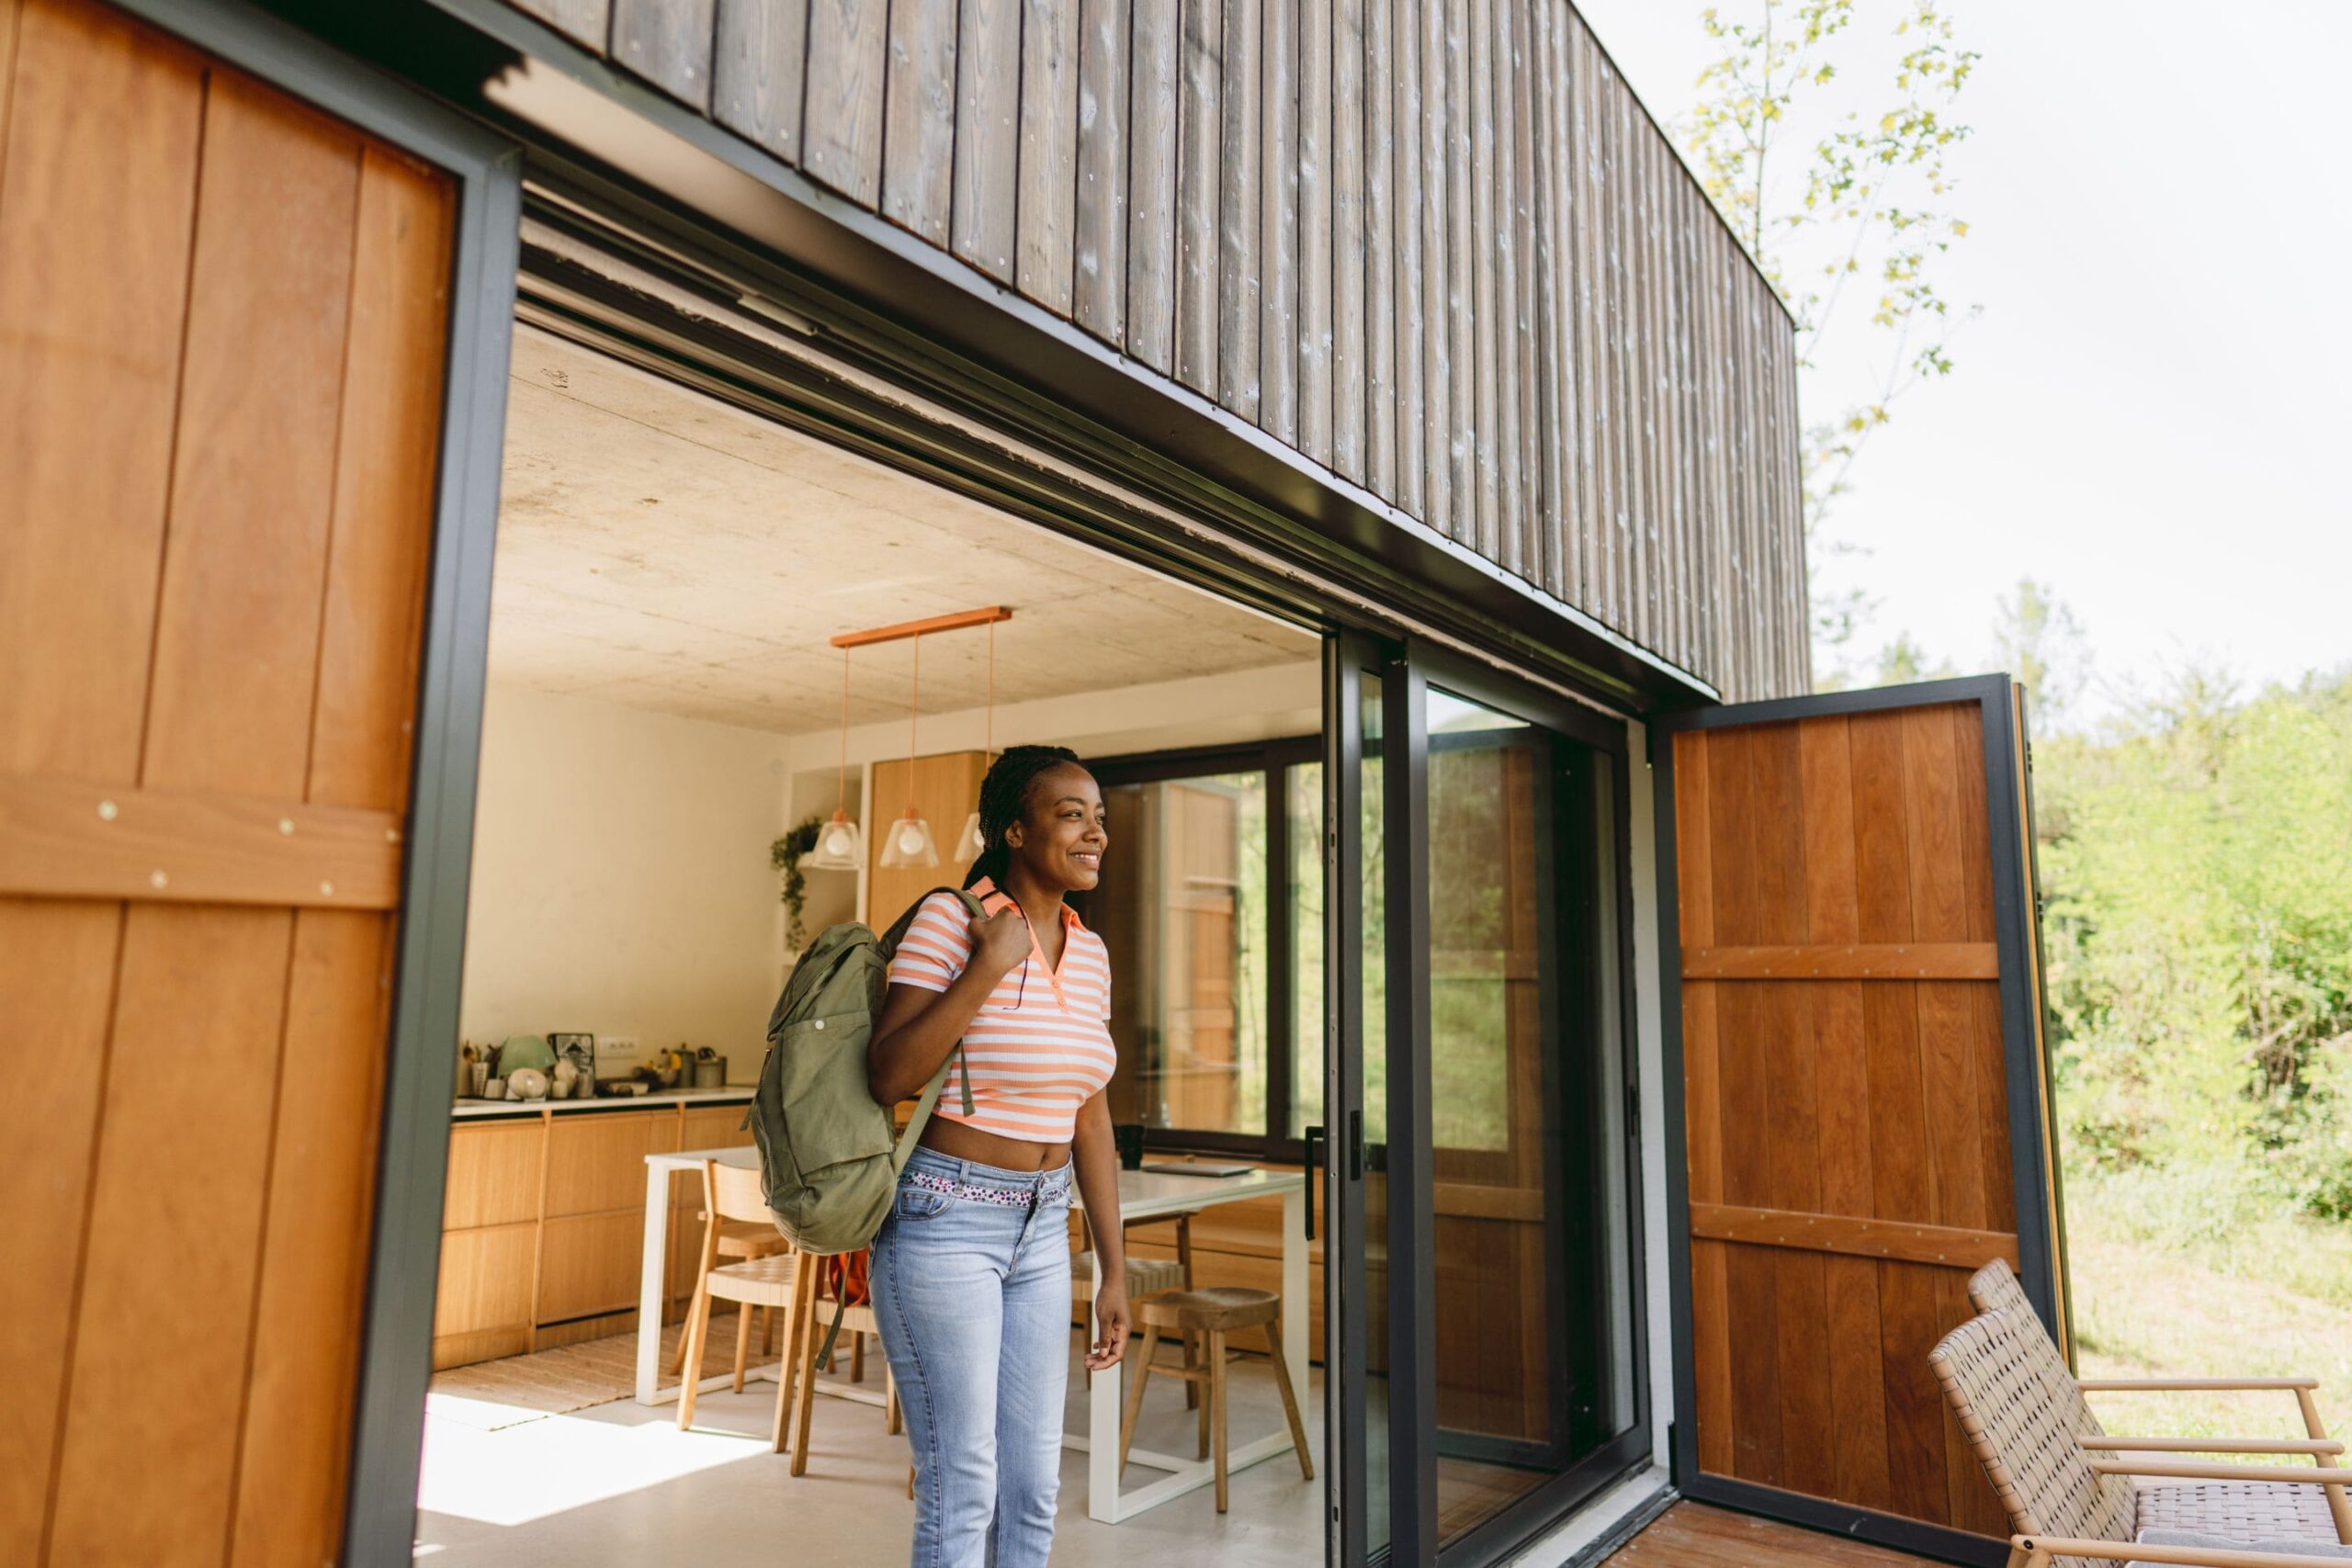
<point>2033,1150</point>
<point>1602,736</point>
<point>1348,657</point>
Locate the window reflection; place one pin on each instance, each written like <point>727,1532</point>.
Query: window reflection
<point>1183,912</point>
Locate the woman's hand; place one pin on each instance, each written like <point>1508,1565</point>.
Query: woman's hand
<point>1110,1326</point>
<point>999,942</point>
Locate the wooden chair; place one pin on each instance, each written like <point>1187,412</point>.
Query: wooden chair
<point>813,1315</point>
<point>2072,1496</point>
<point>1213,1314</point>
<point>1997,1289</point>
<point>1994,1288</point>
<point>737,1241</point>
<point>1145,1275</point>
<point>775,1283</point>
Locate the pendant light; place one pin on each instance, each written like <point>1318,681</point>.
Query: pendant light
<point>908,841</point>
<point>969,843</point>
<point>839,844</point>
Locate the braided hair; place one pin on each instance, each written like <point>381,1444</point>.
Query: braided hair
<point>1004,795</point>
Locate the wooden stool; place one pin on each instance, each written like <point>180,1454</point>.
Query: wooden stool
<point>1213,1314</point>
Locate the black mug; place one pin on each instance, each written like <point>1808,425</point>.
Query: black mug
<point>1128,1135</point>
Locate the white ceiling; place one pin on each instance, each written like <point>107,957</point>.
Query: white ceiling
<point>664,550</point>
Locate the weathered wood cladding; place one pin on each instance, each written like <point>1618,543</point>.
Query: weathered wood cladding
<point>1436,247</point>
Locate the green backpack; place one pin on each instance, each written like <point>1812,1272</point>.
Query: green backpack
<point>828,1164</point>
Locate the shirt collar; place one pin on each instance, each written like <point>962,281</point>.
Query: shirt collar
<point>993,898</point>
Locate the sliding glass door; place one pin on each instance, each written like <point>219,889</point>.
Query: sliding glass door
<point>1498,1380</point>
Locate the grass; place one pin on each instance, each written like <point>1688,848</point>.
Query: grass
<point>2185,1273</point>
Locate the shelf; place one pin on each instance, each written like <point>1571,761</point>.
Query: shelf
<point>734,1094</point>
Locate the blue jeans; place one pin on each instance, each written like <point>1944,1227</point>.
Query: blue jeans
<point>973,1301</point>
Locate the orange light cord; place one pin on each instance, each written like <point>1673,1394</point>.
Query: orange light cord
<point>988,742</point>
<point>841,780</point>
<point>914,699</point>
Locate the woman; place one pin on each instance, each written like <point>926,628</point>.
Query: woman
<point>971,1269</point>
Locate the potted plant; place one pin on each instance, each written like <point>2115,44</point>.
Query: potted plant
<point>784,855</point>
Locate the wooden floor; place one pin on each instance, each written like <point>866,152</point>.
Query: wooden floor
<point>1691,1535</point>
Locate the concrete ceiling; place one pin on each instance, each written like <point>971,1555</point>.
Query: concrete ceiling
<point>664,550</point>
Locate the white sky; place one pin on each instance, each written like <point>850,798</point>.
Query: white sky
<point>2150,416</point>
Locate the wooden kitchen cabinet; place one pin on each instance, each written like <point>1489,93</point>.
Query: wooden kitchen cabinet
<point>493,1174</point>
<point>483,1307</point>
<point>589,1264</point>
<point>543,1224</point>
<point>596,1162</point>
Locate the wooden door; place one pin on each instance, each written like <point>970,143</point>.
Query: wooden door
<point>1863,1094</point>
<point>221,348</point>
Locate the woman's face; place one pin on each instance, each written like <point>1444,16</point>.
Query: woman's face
<point>1060,836</point>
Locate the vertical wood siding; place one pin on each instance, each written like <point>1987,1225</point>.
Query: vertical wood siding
<point>1438,248</point>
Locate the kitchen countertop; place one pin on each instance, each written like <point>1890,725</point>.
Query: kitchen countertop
<point>734,1094</point>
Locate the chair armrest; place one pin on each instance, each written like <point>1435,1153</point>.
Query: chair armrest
<point>2189,1385</point>
<point>2046,1547</point>
<point>2214,1445</point>
<point>2192,1472</point>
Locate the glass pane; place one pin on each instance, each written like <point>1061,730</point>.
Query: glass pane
<point>1374,1000</point>
<point>1305,788</point>
<point>1182,909</point>
<point>1500,940</point>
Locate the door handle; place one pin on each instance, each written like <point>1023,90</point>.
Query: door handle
<point>1314,1135</point>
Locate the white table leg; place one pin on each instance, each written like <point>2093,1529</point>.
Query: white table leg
<point>1294,1297</point>
<point>1102,1407</point>
<point>648,1290</point>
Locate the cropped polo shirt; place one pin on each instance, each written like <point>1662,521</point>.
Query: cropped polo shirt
<point>1040,1046</point>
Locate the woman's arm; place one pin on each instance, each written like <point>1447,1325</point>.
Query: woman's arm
<point>919,1027</point>
<point>1096,1155</point>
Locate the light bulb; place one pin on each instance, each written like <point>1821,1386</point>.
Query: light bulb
<point>837,842</point>
<point>910,841</point>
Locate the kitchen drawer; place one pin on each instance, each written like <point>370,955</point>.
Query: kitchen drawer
<point>485,1279</point>
<point>596,1160</point>
<point>714,1127</point>
<point>590,1263</point>
<point>493,1174</point>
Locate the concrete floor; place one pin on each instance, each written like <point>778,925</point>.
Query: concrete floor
<point>618,1486</point>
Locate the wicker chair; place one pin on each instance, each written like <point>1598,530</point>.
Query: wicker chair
<point>2072,1500</point>
<point>2214,1508</point>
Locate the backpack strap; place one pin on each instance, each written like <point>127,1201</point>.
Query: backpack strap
<point>923,1107</point>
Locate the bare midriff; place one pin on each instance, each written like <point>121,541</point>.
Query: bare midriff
<point>957,1141</point>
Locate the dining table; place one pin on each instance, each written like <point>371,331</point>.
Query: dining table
<point>1144,1195</point>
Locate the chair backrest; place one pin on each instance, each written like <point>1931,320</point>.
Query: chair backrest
<point>1995,1288</point>
<point>2020,1408</point>
<point>734,1192</point>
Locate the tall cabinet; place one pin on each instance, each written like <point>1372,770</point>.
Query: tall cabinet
<point>945,790</point>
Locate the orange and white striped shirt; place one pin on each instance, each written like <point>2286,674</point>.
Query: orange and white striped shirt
<point>1040,1046</point>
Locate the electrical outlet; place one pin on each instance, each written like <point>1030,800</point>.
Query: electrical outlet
<point>617,1055</point>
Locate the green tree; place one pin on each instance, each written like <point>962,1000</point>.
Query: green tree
<point>2036,640</point>
<point>1844,195</point>
<point>1905,660</point>
<point>2198,865</point>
